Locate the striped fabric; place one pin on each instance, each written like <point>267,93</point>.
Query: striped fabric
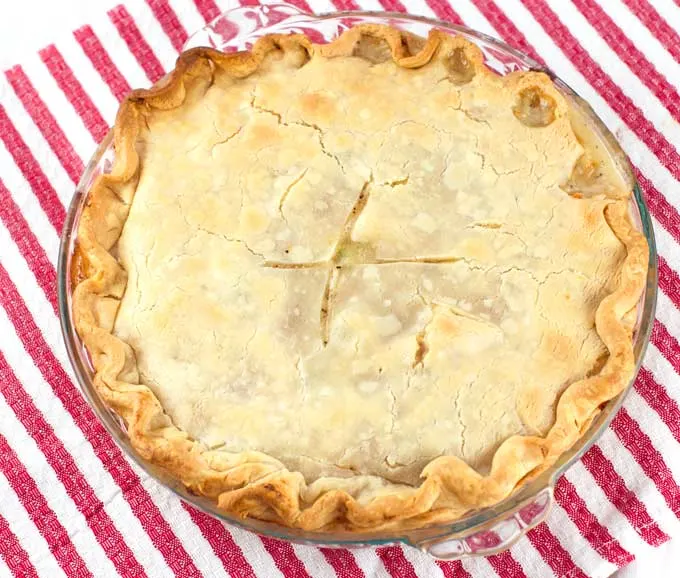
<point>72,505</point>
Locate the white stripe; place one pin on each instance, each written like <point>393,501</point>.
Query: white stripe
<point>669,11</point>
<point>28,204</point>
<point>321,6</point>
<point>423,565</point>
<point>419,8</point>
<point>370,563</point>
<point>23,528</point>
<point>197,547</point>
<point>314,561</point>
<point>188,15</point>
<point>63,112</point>
<point>663,371</point>
<point>373,5</point>
<point>651,423</point>
<point>101,482</point>
<point>666,245</point>
<point>479,567</point>
<point>4,569</point>
<point>35,299</point>
<point>93,84</point>
<point>31,135</point>
<point>607,515</point>
<point>253,549</point>
<point>80,449</point>
<point>118,52</point>
<point>669,315</point>
<point>151,30</point>
<point>580,549</point>
<point>618,71</point>
<point>473,18</point>
<point>638,482</point>
<point>530,559</point>
<point>53,491</point>
<point>638,152</point>
<point>640,35</point>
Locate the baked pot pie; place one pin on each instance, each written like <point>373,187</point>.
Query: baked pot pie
<point>356,286</point>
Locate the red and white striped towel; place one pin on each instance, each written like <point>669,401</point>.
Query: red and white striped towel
<point>72,504</point>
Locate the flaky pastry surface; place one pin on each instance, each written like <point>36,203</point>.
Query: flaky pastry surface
<point>359,285</point>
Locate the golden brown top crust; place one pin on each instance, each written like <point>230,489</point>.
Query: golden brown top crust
<point>362,285</point>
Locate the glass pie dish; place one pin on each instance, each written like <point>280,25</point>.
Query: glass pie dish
<point>481,532</point>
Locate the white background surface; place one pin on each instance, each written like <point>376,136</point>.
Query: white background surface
<point>26,26</point>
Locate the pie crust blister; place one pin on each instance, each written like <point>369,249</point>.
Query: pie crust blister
<point>360,285</point>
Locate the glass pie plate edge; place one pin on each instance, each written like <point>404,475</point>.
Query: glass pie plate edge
<point>483,532</point>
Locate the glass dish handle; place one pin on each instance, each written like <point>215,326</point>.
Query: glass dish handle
<point>494,538</point>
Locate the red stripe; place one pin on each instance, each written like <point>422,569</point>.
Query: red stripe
<point>588,525</point>
<point>343,562</point>
<point>505,27</point>
<point>621,497</point>
<point>302,5</point>
<point>285,558</point>
<point>139,47</point>
<point>74,92</point>
<point>659,206</point>
<point>67,471</point>
<point>453,569</point>
<point>222,543</point>
<point>100,59</point>
<point>443,11</point>
<point>15,557</point>
<point>666,343</point>
<point>629,53</point>
<point>649,458</point>
<point>25,240</point>
<point>669,281</point>
<point>661,30</point>
<point>169,22</point>
<point>208,9</point>
<point>346,5</point>
<point>506,566</point>
<point>658,399</point>
<point>47,124</point>
<point>553,553</point>
<point>34,175</point>
<point>393,6</point>
<point>601,82</point>
<point>395,562</point>
<point>106,450</point>
<point>40,513</point>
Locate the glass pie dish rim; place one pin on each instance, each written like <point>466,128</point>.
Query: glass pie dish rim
<point>429,538</point>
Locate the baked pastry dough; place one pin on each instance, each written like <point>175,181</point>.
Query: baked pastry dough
<point>363,285</point>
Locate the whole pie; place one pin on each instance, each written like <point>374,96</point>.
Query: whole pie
<point>364,285</point>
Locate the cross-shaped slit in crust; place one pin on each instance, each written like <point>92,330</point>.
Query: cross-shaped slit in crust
<point>349,253</point>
